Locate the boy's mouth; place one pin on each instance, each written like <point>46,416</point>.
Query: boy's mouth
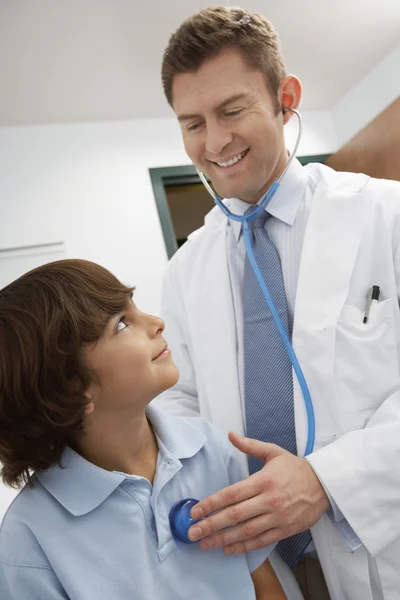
<point>163,351</point>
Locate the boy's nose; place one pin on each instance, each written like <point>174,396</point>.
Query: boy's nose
<point>158,324</point>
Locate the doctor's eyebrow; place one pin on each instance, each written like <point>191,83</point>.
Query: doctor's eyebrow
<point>223,104</point>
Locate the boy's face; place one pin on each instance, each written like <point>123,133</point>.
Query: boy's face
<point>132,364</point>
<point>230,126</point>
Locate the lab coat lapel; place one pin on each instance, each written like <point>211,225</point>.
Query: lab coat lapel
<point>328,256</point>
<point>216,335</point>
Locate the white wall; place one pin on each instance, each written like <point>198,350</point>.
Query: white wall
<point>319,135</point>
<point>368,97</point>
<point>88,185</point>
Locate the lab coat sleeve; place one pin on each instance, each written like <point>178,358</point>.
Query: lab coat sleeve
<point>182,399</point>
<point>360,471</point>
<point>342,526</point>
<point>29,583</point>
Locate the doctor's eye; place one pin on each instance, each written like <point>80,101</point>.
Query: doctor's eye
<point>233,113</point>
<point>194,126</point>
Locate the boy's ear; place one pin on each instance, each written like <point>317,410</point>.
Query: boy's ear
<point>89,408</point>
<point>89,397</point>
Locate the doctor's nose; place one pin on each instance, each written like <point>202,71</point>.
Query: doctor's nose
<point>217,138</point>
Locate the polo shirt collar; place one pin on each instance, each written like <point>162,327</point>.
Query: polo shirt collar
<point>80,486</point>
<point>179,435</point>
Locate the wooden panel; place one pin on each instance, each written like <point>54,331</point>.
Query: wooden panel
<point>375,150</point>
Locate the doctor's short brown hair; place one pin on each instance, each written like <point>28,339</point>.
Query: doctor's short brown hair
<point>211,30</point>
<point>46,318</point>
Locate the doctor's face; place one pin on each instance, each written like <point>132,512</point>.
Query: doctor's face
<point>230,126</point>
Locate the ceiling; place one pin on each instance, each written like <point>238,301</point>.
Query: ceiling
<point>96,60</point>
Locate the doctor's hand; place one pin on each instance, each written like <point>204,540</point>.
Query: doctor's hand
<point>284,498</point>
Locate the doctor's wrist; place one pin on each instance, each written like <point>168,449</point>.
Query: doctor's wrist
<point>322,498</point>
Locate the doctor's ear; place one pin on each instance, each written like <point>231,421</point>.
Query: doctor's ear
<point>289,95</point>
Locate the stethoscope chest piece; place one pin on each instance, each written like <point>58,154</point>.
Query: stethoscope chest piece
<point>180,519</point>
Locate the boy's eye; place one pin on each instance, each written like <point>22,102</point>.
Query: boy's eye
<point>121,325</point>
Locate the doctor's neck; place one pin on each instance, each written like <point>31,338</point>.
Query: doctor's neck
<point>277,172</point>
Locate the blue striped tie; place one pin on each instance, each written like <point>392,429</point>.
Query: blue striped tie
<point>268,380</point>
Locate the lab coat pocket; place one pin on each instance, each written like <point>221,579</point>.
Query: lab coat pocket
<point>366,364</point>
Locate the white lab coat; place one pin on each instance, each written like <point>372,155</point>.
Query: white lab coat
<point>351,243</point>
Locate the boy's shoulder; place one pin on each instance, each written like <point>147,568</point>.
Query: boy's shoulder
<point>18,544</point>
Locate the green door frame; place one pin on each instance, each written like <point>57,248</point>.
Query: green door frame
<point>162,177</point>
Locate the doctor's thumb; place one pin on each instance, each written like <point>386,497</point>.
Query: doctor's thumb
<point>263,450</point>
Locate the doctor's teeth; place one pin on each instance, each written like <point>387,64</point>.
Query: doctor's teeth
<point>232,161</point>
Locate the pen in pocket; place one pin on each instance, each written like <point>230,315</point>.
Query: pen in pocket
<point>373,296</point>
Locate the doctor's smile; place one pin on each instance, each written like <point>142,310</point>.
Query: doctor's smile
<point>229,162</point>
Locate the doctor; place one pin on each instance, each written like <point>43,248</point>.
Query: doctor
<point>326,240</point>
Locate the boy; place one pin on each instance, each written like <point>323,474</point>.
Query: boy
<point>79,365</point>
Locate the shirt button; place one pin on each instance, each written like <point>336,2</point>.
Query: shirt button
<point>168,462</point>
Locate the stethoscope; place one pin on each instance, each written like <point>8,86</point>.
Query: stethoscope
<point>179,516</point>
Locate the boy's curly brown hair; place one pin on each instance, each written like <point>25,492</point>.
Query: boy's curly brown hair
<point>46,318</point>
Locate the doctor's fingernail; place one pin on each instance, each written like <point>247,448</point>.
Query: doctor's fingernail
<point>196,513</point>
<point>195,533</point>
<point>207,543</point>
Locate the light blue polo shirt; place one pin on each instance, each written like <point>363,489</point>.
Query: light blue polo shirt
<point>83,533</point>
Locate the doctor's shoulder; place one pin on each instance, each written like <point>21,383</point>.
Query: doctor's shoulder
<point>385,193</point>
<point>378,191</point>
<point>381,201</point>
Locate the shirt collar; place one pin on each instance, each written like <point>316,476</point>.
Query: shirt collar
<point>80,486</point>
<point>284,204</point>
<point>179,435</point>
